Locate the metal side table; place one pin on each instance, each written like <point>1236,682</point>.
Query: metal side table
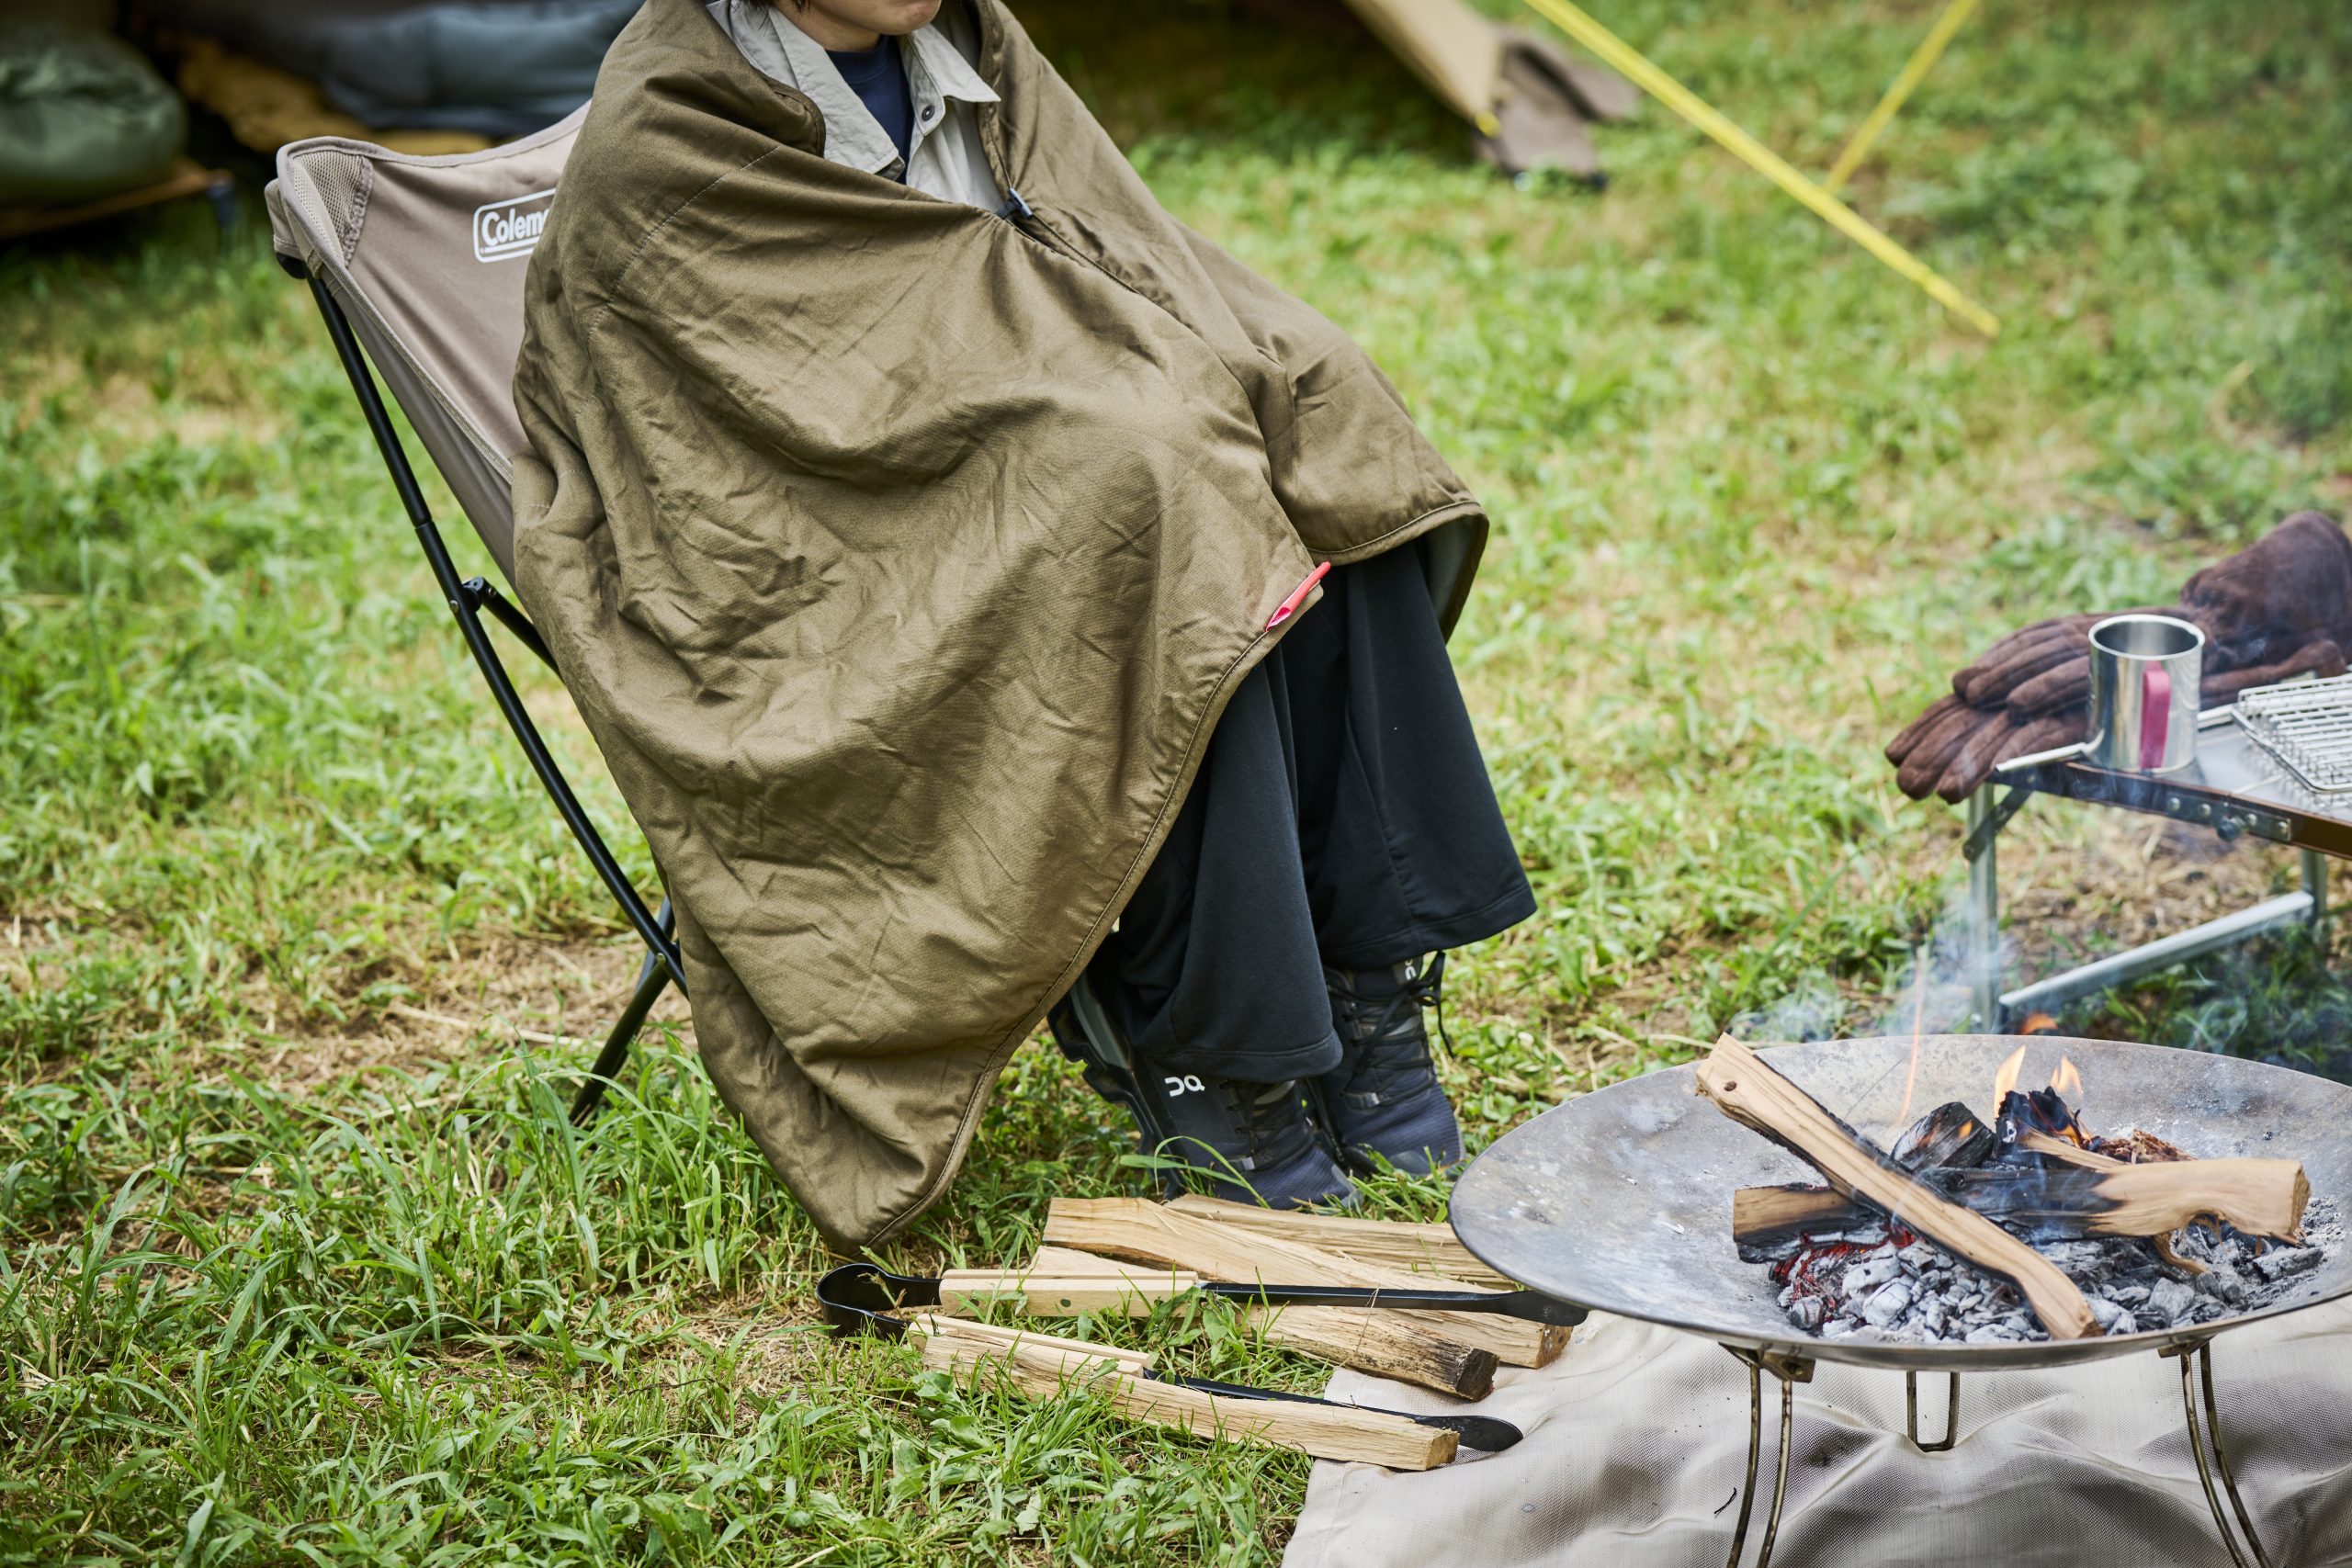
<point>2233,787</point>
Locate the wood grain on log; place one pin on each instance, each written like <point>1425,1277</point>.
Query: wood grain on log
<point>1741,1086</point>
<point>998,1336</point>
<point>2066,1190</point>
<point>1153,1232</point>
<point>1763,1215</point>
<point>1400,1244</point>
<point>1333,1432</point>
<point>1367,1339</point>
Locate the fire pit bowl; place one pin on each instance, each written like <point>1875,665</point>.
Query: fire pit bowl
<point>1620,1201</point>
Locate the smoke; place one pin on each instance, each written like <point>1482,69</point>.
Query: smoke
<point>1929,993</point>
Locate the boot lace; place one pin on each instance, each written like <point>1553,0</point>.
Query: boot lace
<point>1271,1115</point>
<point>1383,1044</point>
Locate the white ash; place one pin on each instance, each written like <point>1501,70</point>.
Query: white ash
<point>1868,1282</point>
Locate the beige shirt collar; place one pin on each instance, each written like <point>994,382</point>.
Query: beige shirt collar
<point>936,73</point>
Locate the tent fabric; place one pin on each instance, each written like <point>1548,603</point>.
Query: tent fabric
<point>1528,98</point>
<point>82,116</point>
<point>266,108</point>
<point>901,557</point>
<point>1637,1439</point>
<point>1456,52</point>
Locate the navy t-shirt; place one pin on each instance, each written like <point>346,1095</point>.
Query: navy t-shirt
<point>879,79</point>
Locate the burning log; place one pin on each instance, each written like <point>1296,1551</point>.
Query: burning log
<point>2257,1197</point>
<point>1752,1094</point>
<point>1950,1135</point>
<point>2085,1195</point>
<point>1761,1217</point>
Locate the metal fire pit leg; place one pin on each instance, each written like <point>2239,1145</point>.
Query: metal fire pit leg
<point>1791,1370</point>
<point>1911,1415</point>
<point>2222,1457</point>
<point>1755,1453</point>
<point>1983,910</point>
<point>2200,1352</point>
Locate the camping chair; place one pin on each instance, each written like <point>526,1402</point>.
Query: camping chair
<point>418,264</point>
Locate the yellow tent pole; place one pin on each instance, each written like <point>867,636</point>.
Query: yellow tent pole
<point>1914,71</point>
<point>1630,63</point>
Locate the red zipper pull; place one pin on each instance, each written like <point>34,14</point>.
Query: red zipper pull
<point>1283,611</point>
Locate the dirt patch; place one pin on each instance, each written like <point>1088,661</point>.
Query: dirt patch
<point>2122,880</point>
<point>495,993</point>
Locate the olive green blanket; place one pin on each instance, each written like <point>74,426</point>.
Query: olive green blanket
<point>901,557</point>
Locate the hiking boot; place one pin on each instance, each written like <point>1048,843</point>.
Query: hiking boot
<point>1384,1098</point>
<point>1254,1141</point>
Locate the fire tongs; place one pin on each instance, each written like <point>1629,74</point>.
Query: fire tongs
<point>861,1298</point>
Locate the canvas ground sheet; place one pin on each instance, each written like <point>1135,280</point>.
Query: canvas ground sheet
<point>1637,1441</point>
<point>901,557</point>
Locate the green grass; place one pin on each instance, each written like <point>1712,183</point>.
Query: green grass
<point>299,1260</point>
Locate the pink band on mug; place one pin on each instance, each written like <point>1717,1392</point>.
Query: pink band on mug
<point>2156,716</point>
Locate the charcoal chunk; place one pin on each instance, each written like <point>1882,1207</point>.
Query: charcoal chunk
<point>2284,1262</point>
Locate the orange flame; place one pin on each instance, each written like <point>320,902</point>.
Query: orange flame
<point>2066,1080</point>
<point>2005,1081</point>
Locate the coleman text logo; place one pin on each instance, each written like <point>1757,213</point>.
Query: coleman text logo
<point>509,228</point>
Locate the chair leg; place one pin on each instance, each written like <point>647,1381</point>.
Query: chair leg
<point>653,979</point>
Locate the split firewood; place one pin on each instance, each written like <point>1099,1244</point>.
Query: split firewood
<point>2065,1151</point>
<point>1756,1096</point>
<point>1400,1244</point>
<point>2060,1188</point>
<point>1000,1336</point>
<point>1369,1339</point>
<point>1950,1135</point>
<point>1153,1232</point>
<point>2258,1197</point>
<point>2065,1199</point>
<point>1764,1216</point>
<point>2049,1148</point>
<point>1333,1432</point>
<point>1041,1294</point>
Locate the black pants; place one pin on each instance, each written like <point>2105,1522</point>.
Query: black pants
<point>1342,815</point>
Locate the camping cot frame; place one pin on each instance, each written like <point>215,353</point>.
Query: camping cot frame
<point>468,599</point>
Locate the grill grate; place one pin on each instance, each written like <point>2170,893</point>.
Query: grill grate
<point>2307,724</point>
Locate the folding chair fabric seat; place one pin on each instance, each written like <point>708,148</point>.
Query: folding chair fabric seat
<point>426,257</point>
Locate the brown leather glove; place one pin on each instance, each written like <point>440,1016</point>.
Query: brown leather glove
<point>1956,753</point>
<point>2279,608</point>
<point>2290,587</point>
<point>2020,656</point>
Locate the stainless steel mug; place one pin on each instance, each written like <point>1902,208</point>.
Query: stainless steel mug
<point>2145,673</point>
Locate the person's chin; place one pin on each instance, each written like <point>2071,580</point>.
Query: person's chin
<point>916,14</point>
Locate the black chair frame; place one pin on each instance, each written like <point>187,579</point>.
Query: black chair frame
<point>469,600</point>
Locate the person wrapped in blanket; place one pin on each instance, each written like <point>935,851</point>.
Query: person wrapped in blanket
<point>1259,1008</point>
